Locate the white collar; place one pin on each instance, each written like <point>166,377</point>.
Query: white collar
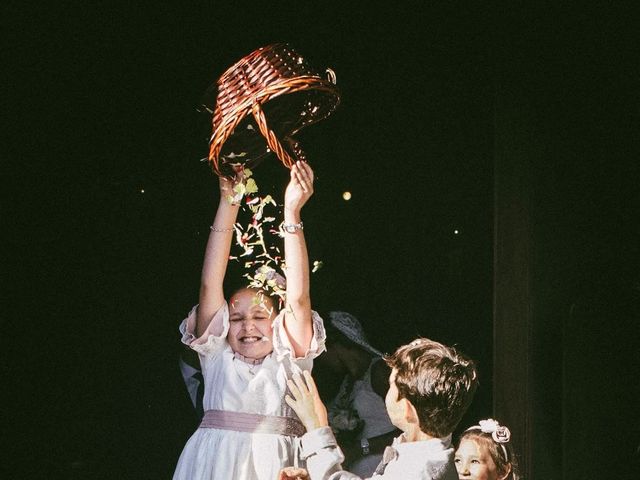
<point>250,361</point>
<point>432,445</point>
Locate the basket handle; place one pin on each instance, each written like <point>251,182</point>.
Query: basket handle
<point>272,140</point>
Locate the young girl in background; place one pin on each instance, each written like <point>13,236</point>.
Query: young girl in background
<point>484,453</point>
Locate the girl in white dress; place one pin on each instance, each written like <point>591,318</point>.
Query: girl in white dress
<point>248,350</point>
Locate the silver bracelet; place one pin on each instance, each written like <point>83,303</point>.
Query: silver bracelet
<point>214,229</point>
<point>291,227</point>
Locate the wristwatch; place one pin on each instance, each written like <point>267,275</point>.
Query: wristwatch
<point>291,227</point>
<point>364,445</point>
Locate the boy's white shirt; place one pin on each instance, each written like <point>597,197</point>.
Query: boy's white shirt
<point>423,460</point>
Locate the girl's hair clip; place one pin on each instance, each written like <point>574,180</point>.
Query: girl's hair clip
<point>499,433</point>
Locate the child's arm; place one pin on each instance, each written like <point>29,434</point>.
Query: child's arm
<point>216,256</point>
<point>297,316</point>
<point>319,447</point>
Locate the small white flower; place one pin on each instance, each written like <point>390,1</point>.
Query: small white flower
<point>499,433</point>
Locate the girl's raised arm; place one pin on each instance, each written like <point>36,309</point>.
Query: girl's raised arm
<point>297,317</point>
<point>216,256</point>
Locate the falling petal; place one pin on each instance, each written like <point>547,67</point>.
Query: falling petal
<point>251,186</point>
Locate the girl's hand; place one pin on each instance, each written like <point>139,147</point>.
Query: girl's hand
<point>227,185</point>
<point>300,187</point>
<point>293,473</point>
<point>306,401</point>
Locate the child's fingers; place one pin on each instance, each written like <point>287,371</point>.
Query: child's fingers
<point>304,171</point>
<point>294,389</point>
<point>291,402</point>
<point>308,171</point>
<point>285,474</point>
<point>292,473</point>
<point>238,176</point>
<point>295,179</point>
<point>300,383</point>
<point>311,385</point>
<point>300,178</point>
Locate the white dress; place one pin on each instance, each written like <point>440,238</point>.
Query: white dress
<point>233,385</point>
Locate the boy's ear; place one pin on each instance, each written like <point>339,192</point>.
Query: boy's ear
<point>410,412</point>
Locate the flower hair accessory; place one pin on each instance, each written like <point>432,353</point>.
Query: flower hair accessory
<point>499,433</point>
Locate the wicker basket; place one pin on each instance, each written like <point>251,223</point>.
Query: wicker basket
<point>272,83</point>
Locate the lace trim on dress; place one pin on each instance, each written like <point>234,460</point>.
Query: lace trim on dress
<point>208,343</point>
<point>282,346</point>
<point>250,361</point>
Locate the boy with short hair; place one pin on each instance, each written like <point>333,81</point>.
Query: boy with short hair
<point>430,388</point>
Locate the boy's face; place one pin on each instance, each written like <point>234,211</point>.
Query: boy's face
<point>395,408</point>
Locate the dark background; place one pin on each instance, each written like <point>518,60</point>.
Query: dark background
<point>100,103</point>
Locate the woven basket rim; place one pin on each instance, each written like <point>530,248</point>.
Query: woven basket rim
<point>235,111</point>
<point>282,88</point>
<point>248,57</point>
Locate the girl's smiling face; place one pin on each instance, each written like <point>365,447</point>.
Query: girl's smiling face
<point>250,329</point>
<point>474,462</point>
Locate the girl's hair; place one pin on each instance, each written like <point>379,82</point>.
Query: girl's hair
<point>236,281</point>
<point>275,300</point>
<point>501,451</point>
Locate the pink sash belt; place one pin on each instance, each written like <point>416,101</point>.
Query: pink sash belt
<point>252,423</point>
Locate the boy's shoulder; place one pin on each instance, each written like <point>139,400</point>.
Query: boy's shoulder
<point>423,460</point>
<point>437,469</point>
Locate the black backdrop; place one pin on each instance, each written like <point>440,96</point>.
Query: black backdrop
<point>101,104</point>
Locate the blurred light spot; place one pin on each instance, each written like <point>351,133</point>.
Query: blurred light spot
<point>456,232</point>
<point>346,196</point>
<point>142,190</point>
